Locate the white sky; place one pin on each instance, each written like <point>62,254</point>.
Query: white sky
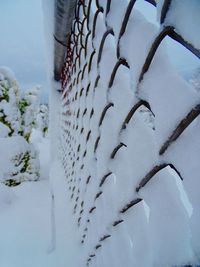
<point>22,42</point>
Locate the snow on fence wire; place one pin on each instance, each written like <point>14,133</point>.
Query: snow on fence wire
<point>130,139</point>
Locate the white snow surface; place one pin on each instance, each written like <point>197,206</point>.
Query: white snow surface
<point>184,16</point>
<point>42,145</point>
<point>25,226</point>
<point>39,221</point>
<point>159,231</point>
<point>26,218</point>
<point>4,130</point>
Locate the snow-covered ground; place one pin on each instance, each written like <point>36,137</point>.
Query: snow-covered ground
<point>26,222</point>
<point>25,226</point>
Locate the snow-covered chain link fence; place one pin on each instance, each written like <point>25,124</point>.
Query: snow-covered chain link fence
<point>130,136</point>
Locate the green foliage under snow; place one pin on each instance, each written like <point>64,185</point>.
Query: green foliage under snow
<point>18,116</point>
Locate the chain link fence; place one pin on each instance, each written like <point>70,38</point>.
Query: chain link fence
<point>129,130</point>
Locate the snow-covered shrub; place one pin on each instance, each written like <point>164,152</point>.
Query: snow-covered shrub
<point>42,119</point>
<point>21,113</point>
<point>9,100</point>
<point>17,119</point>
<point>28,106</point>
<point>20,162</point>
<point>34,115</point>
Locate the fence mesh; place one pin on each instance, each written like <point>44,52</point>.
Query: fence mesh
<point>129,127</point>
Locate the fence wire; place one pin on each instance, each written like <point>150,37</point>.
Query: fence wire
<point>90,108</point>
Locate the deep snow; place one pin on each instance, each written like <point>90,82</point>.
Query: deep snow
<point>26,218</point>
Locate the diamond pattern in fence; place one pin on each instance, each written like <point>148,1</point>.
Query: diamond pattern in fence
<point>129,125</point>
